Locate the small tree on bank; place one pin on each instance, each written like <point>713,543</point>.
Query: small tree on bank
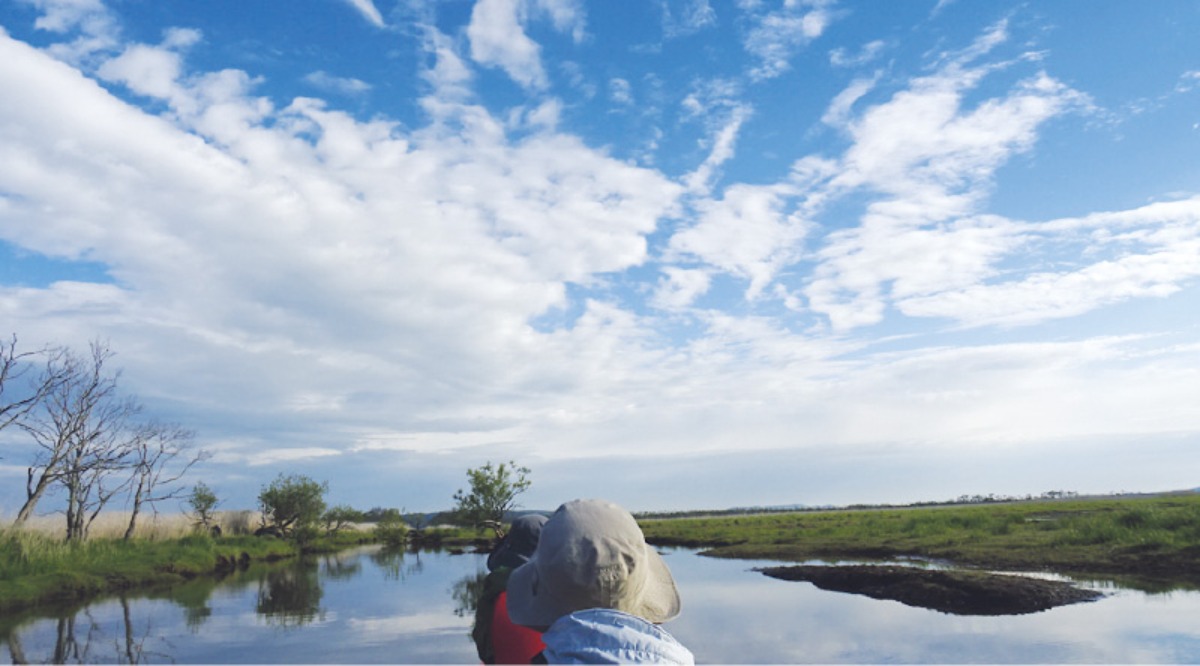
<point>391,530</point>
<point>339,517</point>
<point>494,490</point>
<point>293,502</point>
<point>203,503</point>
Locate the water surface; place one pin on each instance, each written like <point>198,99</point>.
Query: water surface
<point>373,606</point>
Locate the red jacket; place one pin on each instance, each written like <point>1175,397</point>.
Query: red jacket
<point>512,643</point>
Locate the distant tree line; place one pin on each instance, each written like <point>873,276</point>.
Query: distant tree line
<point>990,498</point>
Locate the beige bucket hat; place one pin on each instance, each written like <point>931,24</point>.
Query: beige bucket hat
<point>591,554</point>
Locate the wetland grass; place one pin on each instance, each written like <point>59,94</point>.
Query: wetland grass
<point>1154,537</point>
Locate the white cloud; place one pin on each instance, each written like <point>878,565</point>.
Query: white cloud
<point>499,40</point>
<point>689,18</point>
<point>152,71</point>
<point>749,233</point>
<point>1188,81</point>
<point>308,227</point>
<point>679,288</point>
<point>839,108</point>
<point>335,84</point>
<point>277,455</point>
<point>839,57</point>
<point>932,162</point>
<point>97,29</point>
<point>777,35</point>
<point>380,292</point>
<point>723,143</point>
<point>1157,253</point>
<point>567,16</point>
<point>368,10</point>
<point>620,91</point>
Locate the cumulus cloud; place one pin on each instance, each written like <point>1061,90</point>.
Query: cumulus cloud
<point>749,232</point>
<point>96,31</point>
<point>309,227</point>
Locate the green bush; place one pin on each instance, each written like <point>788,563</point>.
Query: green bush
<point>391,530</point>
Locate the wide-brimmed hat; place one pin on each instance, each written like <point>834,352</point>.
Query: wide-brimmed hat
<point>591,554</point>
<point>516,546</point>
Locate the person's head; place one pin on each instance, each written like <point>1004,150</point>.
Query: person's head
<point>516,546</point>
<point>592,554</point>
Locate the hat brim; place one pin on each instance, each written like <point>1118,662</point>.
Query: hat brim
<point>532,604</point>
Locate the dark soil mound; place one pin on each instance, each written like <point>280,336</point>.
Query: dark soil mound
<point>956,592</point>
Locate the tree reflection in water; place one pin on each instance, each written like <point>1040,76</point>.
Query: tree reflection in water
<point>72,646</point>
<point>291,597</point>
<point>396,564</point>
<point>466,592</point>
<point>341,566</point>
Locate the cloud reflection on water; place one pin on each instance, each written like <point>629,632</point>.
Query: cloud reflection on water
<point>734,615</point>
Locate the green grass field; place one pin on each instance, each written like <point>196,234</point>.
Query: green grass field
<point>1154,537</point>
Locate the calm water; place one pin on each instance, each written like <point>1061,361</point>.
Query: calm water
<point>370,606</point>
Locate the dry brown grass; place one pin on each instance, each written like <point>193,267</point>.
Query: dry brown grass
<point>112,524</point>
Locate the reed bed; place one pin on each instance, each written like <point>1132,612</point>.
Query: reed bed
<point>112,525</point>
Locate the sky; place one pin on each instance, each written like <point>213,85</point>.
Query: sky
<point>677,254</point>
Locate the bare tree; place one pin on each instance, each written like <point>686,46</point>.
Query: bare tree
<point>161,456</point>
<point>83,430</point>
<point>52,430</point>
<point>13,367</point>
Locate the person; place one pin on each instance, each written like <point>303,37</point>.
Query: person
<point>597,590</point>
<point>497,639</point>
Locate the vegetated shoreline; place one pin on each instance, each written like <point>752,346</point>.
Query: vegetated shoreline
<point>112,566</point>
<point>37,570</point>
<point>1152,543</point>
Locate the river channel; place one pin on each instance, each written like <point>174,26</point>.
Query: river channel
<point>373,606</point>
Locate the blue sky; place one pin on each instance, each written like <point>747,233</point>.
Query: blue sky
<point>676,254</point>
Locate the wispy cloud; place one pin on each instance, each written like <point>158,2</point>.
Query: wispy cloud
<point>840,57</point>
<point>335,84</point>
<point>687,17</point>
<point>368,10</point>
<point>776,36</point>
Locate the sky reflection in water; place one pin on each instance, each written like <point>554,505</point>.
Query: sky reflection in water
<point>368,606</point>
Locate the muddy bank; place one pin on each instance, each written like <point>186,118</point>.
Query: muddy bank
<point>955,592</point>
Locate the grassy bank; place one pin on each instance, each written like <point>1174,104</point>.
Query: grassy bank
<point>1152,537</point>
<point>36,568</point>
